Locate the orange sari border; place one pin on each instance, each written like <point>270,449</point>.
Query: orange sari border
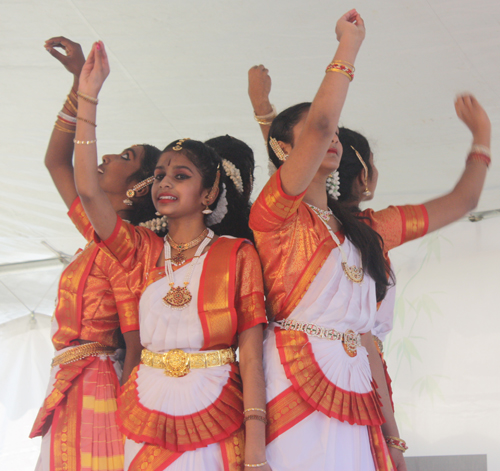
<point>181,433</point>
<point>153,458</point>
<point>64,379</point>
<point>415,222</point>
<point>310,382</point>
<point>381,456</point>
<point>285,411</point>
<point>216,296</point>
<point>233,451</point>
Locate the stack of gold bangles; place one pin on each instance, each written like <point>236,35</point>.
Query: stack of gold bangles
<point>342,67</point>
<point>266,119</point>
<point>260,418</point>
<point>396,442</point>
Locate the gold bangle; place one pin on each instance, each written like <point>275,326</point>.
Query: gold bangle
<point>264,122</point>
<point>88,98</point>
<point>254,417</point>
<point>341,72</point>
<point>87,121</point>
<point>93,141</point>
<point>258,465</point>
<point>72,105</point>
<point>60,128</point>
<point>254,408</point>
<point>345,63</point>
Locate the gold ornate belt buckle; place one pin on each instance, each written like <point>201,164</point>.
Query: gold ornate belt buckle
<point>176,363</point>
<point>350,343</point>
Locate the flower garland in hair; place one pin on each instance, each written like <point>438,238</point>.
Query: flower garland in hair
<point>234,174</point>
<point>220,210</point>
<point>156,225</point>
<point>333,185</point>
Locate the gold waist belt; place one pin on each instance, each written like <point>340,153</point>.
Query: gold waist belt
<point>178,363</point>
<point>93,349</point>
<point>350,339</point>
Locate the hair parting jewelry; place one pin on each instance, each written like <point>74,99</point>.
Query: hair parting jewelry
<point>266,119</point>
<point>234,174</point>
<point>178,144</point>
<point>367,192</point>
<point>258,465</point>
<point>88,98</point>
<point>86,121</point>
<point>278,151</point>
<point>93,141</point>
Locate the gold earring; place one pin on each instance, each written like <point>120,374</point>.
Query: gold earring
<point>367,192</point>
<point>213,190</point>
<point>278,151</point>
<point>139,186</point>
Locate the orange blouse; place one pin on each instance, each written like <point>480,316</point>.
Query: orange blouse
<point>293,243</point>
<point>94,300</point>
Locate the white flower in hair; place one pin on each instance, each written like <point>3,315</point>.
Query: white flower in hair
<point>234,174</point>
<point>333,185</point>
<point>220,210</point>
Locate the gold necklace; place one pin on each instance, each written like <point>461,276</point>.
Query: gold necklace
<point>179,259</point>
<point>179,297</point>
<point>324,214</point>
<point>352,272</point>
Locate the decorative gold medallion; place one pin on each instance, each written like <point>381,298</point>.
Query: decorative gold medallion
<point>176,363</point>
<point>350,343</point>
<point>354,273</point>
<point>178,297</point>
<point>178,259</point>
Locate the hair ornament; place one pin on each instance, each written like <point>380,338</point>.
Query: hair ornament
<point>333,185</point>
<point>234,174</point>
<point>156,224</point>
<point>220,210</point>
<point>178,144</point>
<point>278,151</point>
<point>137,187</point>
<point>367,192</point>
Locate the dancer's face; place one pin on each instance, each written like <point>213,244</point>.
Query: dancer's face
<point>331,161</point>
<point>116,169</point>
<point>177,190</point>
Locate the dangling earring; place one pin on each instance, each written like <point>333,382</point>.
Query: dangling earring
<point>367,192</point>
<point>139,186</point>
<point>213,190</point>
<point>278,151</point>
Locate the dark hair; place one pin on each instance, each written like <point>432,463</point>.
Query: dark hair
<point>350,166</point>
<point>143,208</point>
<point>241,155</point>
<point>361,235</point>
<point>208,161</point>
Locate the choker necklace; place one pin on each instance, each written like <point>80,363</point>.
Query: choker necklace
<point>353,273</point>
<point>179,259</point>
<point>179,297</point>
<point>324,214</point>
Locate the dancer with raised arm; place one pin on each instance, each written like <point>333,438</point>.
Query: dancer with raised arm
<point>95,305</point>
<point>324,271</point>
<point>184,406</point>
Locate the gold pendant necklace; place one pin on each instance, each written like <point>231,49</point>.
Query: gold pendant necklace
<point>179,297</point>
<point>179,258</point>
<point>352,272</point>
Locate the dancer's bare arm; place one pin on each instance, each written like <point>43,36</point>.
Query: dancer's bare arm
<point>259,88</point>
<point>96,203</point>
<point>59,155</point>
<point>465,196</point>
<point>322,121</point>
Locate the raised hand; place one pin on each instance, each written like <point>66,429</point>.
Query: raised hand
<point>259,88</point>
<point>95,70</point>
<point>351,24</point>
<point>474,117</point>
<point>73,59</point>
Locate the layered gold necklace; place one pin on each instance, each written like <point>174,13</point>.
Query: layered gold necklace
<point>179,297</point>
<point>179,258</point>
<point>352,272</point>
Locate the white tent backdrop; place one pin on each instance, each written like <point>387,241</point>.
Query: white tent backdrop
<point>178,70</point>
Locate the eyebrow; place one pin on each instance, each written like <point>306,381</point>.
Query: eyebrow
<point>130,149</point>
<point>182,167</point>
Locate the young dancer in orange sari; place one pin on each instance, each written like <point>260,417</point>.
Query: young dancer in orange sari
<point>324,272</point>
<point>77,420</point>
<point>201,297</point>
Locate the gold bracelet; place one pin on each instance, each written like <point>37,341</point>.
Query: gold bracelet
<point>258,465</point>
<point>254,417</point>
<point>93,141</point>
<point>396,442</point>
<point>60,128</point>
<point>341,72</point>
<point>71,104</point>
<point>87,121</point>
<point>254,408</point>
<point>351,66</point>
<point>88,98</point>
